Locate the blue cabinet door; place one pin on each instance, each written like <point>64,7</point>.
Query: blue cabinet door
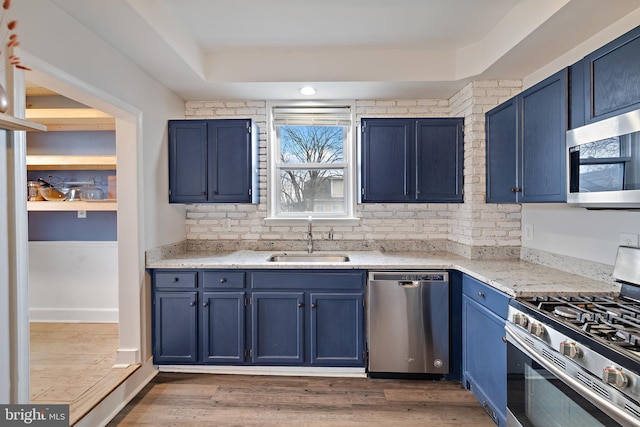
<point>223,327</point>
<point>542,129</point>
<point>501,145</point>
<point>337,329</point>
<point>175,327</point>
<point>577,88</point>
<point>484,352</point>
<point>187,161</point>
<point>530,130</point>
<point>229,151</point>
<point>412,160</point>
<point>277,328</point>
<point>213,161</point>
<point>387,146</point>
<point>612,78</point>
<point>440,157</point>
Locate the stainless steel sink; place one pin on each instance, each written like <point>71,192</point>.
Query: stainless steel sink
<point>308,258</point>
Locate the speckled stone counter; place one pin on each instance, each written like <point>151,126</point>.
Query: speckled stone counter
<point>516,278</point>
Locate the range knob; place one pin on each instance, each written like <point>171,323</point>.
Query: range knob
<point>536,329</point>
<point>570,349</point>
<point>520,320</point>
<point>615,377</point>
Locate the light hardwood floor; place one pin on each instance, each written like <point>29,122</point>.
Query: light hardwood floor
<point>234,400</point>
<point>72,363</point>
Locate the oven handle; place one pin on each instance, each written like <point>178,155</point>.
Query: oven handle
<point>600,402</point>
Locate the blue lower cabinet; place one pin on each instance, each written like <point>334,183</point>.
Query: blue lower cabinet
<point>484,352</point>
<point>277,332</point>
<point>223,327</point>
<point>337,332</point>
<point>175,328</point>
<point>284,318</point>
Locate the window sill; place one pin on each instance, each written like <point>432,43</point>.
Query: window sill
<point>315,221</point>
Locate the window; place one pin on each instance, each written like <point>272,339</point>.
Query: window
<point>311,162</point>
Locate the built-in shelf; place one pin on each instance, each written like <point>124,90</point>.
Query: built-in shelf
<point>14,123</point>
<point>71,119</point>
<point>104,162</point>
<point>98,205</point>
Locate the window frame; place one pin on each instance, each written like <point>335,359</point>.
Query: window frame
<point>348,165</point>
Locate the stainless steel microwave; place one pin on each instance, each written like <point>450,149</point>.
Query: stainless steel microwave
<point>603,168</point>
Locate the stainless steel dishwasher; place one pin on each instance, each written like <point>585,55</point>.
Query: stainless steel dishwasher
<point>408,322</point>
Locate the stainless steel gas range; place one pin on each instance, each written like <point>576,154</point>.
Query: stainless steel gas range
<point>575,360</point>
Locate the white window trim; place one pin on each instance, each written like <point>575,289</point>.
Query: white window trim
<point>350,159</point>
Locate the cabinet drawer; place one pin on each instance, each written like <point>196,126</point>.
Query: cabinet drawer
<point>223,279</point>
<point>311,279</point>
<point>485,295</point>
<point>176,279</point>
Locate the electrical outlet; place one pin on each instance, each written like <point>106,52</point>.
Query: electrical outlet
<point>527,231</point>
<point>82,214</point>
<point>628,239</point>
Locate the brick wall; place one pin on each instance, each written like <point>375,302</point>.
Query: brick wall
<point>473,229</point>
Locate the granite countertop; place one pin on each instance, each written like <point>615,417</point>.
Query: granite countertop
<point>515,278</point>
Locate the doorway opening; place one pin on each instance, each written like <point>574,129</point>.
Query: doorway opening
<point>77,247</point>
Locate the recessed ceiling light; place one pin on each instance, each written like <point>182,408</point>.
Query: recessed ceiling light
<point>308,90</point>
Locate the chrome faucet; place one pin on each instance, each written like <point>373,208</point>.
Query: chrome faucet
<point>310,237</point>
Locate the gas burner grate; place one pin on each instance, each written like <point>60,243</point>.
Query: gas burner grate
<point>611,319</point>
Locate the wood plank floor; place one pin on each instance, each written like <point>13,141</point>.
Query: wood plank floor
<point>72,363</point>
<point>173,399</point>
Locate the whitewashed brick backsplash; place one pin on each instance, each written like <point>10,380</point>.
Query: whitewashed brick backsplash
<point>473,224</point>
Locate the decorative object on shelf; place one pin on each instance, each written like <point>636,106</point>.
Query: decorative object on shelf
<point>32,191</point>
<point>9,41</point>
<point>91,194</point>
<point>4,100</point>
<point>10,38</point>
<point>52,194</point>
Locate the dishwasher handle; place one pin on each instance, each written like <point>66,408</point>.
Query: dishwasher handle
<point>408,283</point>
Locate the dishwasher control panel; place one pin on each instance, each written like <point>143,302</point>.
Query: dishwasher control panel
<point>439,276</point>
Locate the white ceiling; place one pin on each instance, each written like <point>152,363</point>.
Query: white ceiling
<point>347,49</point>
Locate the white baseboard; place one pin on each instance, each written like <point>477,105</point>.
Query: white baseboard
<point>302,371</point>
<point>127,356</point>
<point>74,315</point>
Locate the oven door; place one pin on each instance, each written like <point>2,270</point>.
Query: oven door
<point>539,394</point>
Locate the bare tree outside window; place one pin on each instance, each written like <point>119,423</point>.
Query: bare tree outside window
<point>312,171</point>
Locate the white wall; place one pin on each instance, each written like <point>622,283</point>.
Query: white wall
<point>142,106</point>
<point>47,33</point>
<point>73,281</point>
<point>577,232</point>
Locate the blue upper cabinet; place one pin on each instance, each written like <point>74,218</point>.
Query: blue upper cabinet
<point>526,144</point>
<point>188,161</point>
<point>439,160</point>
<point>609,79</point>
<point>412,160</point>
<point>501,129</point>
<point>213,161</point>
<point>386,160</point>
<point>543,113</point>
